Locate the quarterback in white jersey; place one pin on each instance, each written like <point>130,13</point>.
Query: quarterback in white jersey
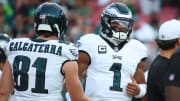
<point>39,67</point>
<point>113,63</point>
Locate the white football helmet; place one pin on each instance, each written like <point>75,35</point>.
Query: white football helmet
<point>117,21</point>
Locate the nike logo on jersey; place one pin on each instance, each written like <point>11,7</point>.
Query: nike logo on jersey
<point>117,57</point>
<point>74,52</point>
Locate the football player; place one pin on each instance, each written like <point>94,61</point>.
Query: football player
<point>114,63</point>
<point>4,39</point>
<point>38,67</point>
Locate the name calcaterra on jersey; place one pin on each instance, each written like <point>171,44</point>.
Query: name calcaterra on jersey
<point>35,47</point>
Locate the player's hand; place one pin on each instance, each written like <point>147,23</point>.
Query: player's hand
<point>132,87</point>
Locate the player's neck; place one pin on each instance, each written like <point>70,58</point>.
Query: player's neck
<point>167,53</point>
<point>48,38</point>
<point>115,42</point>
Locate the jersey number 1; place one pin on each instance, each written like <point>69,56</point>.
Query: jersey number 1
<point>116,68</point>
<point>21,67</point>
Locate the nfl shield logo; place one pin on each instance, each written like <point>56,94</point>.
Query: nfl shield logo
<point>171,77</point>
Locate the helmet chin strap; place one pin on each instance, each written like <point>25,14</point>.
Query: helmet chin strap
<point>59,35</point>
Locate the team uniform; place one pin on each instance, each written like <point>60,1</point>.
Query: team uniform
<point>110,68</point>
<point>155,83</point>
<point>2,58</point>
<point>37,68</point>
<point>173,75</point>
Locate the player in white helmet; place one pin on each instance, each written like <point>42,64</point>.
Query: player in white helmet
<point>113,63</point>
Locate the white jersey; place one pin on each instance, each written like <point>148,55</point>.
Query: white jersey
<point>37,65</point>
<point>109,71</point>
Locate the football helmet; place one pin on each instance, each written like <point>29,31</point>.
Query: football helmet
<point>4,39</point>
<point>50,17</point>
<point>117,21</point>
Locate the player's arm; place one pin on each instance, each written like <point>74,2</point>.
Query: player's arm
<point>6,82</point>
<point>83,62</point>
<point>172,93</point>
<point>73,85</point>
<point>1,66</point>
<point>138,84</point>
<point>139,74</point>
<point>140,78</point>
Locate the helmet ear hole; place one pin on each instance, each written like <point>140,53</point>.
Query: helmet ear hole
<point>50,17</point>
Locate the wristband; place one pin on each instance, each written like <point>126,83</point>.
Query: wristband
<point>142,92</point>
<point>68,98</point>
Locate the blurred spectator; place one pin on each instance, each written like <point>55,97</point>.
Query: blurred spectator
<point>81,9</point>
<point>150,6</point>
<point>4,27</point>
<point>27,31</point>
<point>78,11</point>
<point>18,24</point>
<point>130,4</point>
<point>96,7</point>
<point>8,12</point>
<point>102,3</point>
<point>79,19</point>
<point>84,26</point>
<point>176,3</point>
<point>146,32</point>
<point>65,5</point>
<point>87,26</point>
<point>3,1</point>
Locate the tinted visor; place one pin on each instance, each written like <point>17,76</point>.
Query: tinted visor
<point>120,25</point>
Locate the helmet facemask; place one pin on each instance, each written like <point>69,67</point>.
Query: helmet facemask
<point>120,29</point>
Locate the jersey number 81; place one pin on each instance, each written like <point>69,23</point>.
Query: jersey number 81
<point>21,67</point>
